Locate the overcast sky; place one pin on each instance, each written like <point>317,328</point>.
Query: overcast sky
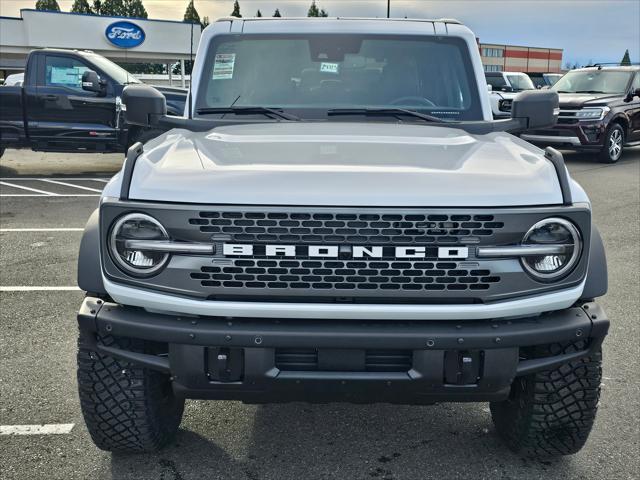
<point>597,30</point>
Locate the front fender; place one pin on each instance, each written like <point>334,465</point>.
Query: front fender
<point>89,268</point>
<point>597,282</point>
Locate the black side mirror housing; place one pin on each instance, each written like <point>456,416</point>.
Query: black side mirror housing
<point>145,106</point>
<point>636,92</point>
<point>91,82</point>
<point>536,108</point>
<point>506,88</point>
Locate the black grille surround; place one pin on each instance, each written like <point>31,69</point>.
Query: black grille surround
<point>345,279</point>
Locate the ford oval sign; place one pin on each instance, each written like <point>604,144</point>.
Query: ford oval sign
<point>125,34</point>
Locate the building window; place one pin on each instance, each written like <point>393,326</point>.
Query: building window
<point>493,68</point>
<point>492,52</point>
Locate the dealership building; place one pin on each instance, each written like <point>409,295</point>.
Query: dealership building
<point>123,40</point>
<point>515,58</point>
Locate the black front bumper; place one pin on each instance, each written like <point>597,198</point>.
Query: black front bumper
<point>264,360</point>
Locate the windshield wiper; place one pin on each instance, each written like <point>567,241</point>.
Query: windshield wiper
<point>393,112</point>
<point>590,91</point>
<point>249,110</point>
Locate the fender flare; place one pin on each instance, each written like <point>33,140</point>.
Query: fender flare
<point>597,282</point>
<point>89,266</point>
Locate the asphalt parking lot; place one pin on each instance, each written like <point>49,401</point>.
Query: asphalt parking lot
<point>45,200</point>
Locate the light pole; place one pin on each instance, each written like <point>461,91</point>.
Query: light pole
<point>388,8</point>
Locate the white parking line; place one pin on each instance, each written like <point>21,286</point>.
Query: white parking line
<point>6,230</point>
<point>46,429</point>
<point>69,179</point>
<point>38,289</point>
<point>50,194</point>
<point>71,185</point>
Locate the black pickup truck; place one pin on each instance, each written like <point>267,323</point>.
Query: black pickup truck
<point>70,102</point>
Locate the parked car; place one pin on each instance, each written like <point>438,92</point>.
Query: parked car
<point>70,102</point>
<point>544,80</point>
<point>504,87</point>
<point>599,112</point>
<point>341,219</point>
<point>14,79</point>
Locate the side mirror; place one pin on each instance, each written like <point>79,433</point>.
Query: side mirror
<point>536,108</point>
<point>144,105</point>
<point>91,82</point>
<point>506,88</point>
<point>636,92</point>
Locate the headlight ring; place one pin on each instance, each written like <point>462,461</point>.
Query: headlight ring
<point>552,231</point>
<point>137,226</point>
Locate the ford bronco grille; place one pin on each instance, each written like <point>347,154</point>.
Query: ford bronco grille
<point>347,275</point>
<point>362,228</point>
<point>253,272</point>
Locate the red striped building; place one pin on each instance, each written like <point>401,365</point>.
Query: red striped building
<point>514,58</point>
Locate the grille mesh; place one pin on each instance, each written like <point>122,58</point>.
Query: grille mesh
<point>345,275</point>
<point>370,228</point>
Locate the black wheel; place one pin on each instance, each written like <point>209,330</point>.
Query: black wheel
<point>551,413</point>
<point>126,408</point>
<point>613,144</point>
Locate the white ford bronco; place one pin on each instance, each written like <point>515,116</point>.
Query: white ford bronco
<point>337,217</point>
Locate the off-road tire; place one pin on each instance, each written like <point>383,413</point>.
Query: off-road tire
<point>615,133</point>
<point>126,408</point>
<point>551,413</point>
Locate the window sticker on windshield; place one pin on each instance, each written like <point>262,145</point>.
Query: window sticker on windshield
<point>223,66</point>
<point>329,67</point>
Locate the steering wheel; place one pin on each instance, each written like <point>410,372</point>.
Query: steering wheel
<point>423,100</point>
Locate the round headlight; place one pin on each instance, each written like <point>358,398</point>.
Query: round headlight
<point>550,232</point>
<point>136,261</point>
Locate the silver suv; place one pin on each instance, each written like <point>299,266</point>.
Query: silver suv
<point>338,218</point>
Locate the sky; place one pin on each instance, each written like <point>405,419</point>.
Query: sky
<point>587,30</point>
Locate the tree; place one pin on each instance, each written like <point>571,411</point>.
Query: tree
<point>113,7</point>
<point>258,13</point>
<point>48,5</point>
<point>135,8</point>
<point>626,59</point>
<point>97,7</point>
<point>277,13</point>
<point>81,6</point>
<point>236,10</point>
<point>191,14</point>
<point>314,11</point>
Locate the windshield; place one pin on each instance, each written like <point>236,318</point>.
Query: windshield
<point>593,81</point>
<point>552,78</point>
<point>310,75</point>
<point>117,73</point>
<point>520,82</point>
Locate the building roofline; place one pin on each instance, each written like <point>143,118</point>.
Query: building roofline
<point>498,44</point>
<point>140,19</point>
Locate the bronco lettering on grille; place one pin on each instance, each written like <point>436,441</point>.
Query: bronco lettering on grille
<point>344,251</point>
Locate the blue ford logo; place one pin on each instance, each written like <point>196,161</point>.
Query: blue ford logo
<point>125,34</point>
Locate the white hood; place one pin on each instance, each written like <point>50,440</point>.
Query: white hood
<point>344,164</point>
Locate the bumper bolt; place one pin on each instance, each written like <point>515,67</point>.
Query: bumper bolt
<point>579,332</point>
<point>461,340</point>
<point>227,338</point>
<point>192,336</point>
<point>497,340</point>
<point>108,328</point>
<point>430,343</point>
<point>257,340</point>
